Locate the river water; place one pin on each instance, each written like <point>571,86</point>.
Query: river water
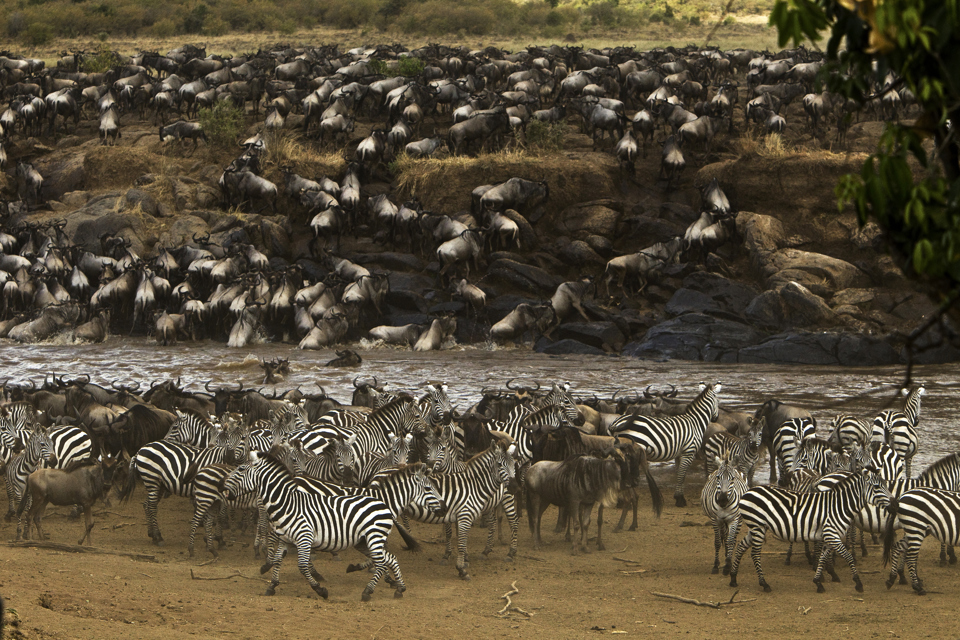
<point>825,390</point>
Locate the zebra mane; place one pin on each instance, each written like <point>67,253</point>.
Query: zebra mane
<point>402,469</point>
<point>278,454</point>
<point>399,400</point>
<point>940,465</point>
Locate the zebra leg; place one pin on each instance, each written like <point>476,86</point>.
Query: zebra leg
<point>953,557</point>
<point>911,553</point>
<point>737,556</point>
<point>835,540</point>
<point>756,545</point>
<point>943,554</point>
<point>218,525</point>
<point>150,509</point>
<point>716,545</point>
<point>273,564</point>
<point>682,467</point>
<point>28,499</point>
<point>789,553</point>
<point>512,510</point>
<point>463,530</point>
<point>199,514</point>
<point>448,533</point>
<point>305,566</point>
<point>732,532</point>
<point>270,554</point>
<point>399,585</point>
<point>863,541</point>
<point>491,519</point>
<point>600,545</point>
<point>806,552</point>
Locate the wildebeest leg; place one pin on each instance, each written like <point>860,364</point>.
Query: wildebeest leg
<point>562,521</point>
<point>88,524</point>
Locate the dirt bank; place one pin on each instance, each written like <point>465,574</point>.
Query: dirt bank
<point>71,595</point>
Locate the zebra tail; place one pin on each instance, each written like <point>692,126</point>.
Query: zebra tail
<point>889,532</point>
<point>412,544</point>
<point>655,494</point>
<point>131,483</point>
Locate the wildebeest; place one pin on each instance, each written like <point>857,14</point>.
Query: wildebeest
<point>524,317</point>
<point>83,486</point>
<point>182,130</point>
<point>346,358</point>
<point>576,484</point>
<point>515,193</point>
<point>440,329</point>
<point>672,162</point>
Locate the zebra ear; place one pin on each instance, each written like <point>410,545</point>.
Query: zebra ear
<point>252,457</point>
<point>921,391</point>
<point>716,387</point>
<point>408,437</point>
<point>444,388</point>
<point>717,461</point>
<point>352,440</point>
<point>702,386</point>
<point>512,449</point>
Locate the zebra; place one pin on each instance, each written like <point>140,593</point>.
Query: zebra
<point>434,405</point>
<point>899,428</point>
<point>206,494</point>
<point>467,495</point>
<point>191,429</point>
<point>818,516</point>
<point>396,418</point>
<point>743,453</point>
<point>336,463</point>
<point>920,512</point>
<point>673,437</point>
<point>19,468</point>
<point>560,396</point>
<point>786,444</point>
<point>814,454</point>
<point>309,520</point>
<point>168,467</point>
<point>371,463</point>
<point>847,430</point>
<point>720,500</point>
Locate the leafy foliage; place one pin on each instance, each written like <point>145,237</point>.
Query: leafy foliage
<point>878,46</point>
<point>222,123</point>
<point>100,61</point>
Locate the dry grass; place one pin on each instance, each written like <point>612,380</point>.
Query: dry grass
<point>286,148</point>
<point>653,35</point>
<point>444,185</point>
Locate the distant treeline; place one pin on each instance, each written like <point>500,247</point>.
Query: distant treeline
<point>37,22</point>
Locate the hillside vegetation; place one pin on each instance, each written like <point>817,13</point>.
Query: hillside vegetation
<point>39,23</point>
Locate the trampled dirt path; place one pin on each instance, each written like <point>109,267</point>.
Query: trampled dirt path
<point>71,595</point>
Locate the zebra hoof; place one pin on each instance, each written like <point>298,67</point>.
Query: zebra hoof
<point>222,544</point>
<point>681,501</point>
<point>266,566</point>
<point>834,578</point>
<point>353,567</point>
<point>859,586</point>
<point>159,543</point>
<point>733,580</point>
<point>820,588</point>
<point>903,580</point>
<point>953,559</point>
<point>715,570</point>
<point>920,591</point>
<point>889,584</point>
<point>365,596</point>
<point>322,592</point>
<point>943,562</point>
<point>726,571</point>
<point>190,552</point>
<point>271,591</point>
<point>398,594</point>
<point>766,587</point>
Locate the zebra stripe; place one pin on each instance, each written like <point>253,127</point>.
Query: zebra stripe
<point>467,495</point>
<point>673,437</point>
<point>786,444</point>
<point>434,406</point>
<point>921,512</point>
<point>206,495</point>
<point>818,516</point>
<point>191,429</point>
<point>720,501</point>
<point>850,430</point>
<point>743,453</point>
<point>163,466</point>
<point>308,520</point>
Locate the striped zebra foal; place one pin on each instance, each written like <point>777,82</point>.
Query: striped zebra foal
<point>743,453</point>
<point>676,437</point>
<point>899,428</point>
<point>720,501</point>
<point>307,520</point>
<point>206,496</point>
<point>920,512</point>
<point>468,494</point>
<point>818,516</point>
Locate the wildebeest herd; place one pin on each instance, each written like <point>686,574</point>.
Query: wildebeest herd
<point>486,99</point>
<point>316,474</point>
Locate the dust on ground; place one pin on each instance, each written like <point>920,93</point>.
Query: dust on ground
<point>79,595</point>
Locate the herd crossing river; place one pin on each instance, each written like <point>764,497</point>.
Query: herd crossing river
<point>826,391</point>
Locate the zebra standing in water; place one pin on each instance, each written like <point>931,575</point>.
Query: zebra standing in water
<point>308,520</point>
<point>469,494</point>
<point>163,466</point>
<point>720,501</point>
<point>921,512</point>
<point>818,516</point>
<point>899,428</point>
<point>673,437</point>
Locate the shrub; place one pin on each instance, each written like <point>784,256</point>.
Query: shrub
<point>100,61</point>
<point>163,28</point>
<point>222,123</point>
<point>410,66</point>
<point>546,136</point>
<point>37,34</point>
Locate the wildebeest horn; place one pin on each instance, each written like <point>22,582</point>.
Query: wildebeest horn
<point>206,385</point>
<point>77,379</point>
<point>511,388</point>
<point>538,385</point>
<point>673,392</point>
<point>355,385</point>
<point>648,394</point>
<point>322,390</point>
<point>114,385</point>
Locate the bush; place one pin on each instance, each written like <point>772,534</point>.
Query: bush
<point>100,61</point>
<point>222,123</point>
<point>546,136</point>
<point>410,66</point>
<point>163,28</point>
<point>37,34</point>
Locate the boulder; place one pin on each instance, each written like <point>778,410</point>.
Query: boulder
<point>524,276</point>
<point>822,348</point>
<point>852,297</point>
<point>678,213</point>
<point>599,217</point>
<point>869,236</point>
<point>838,274</point>
<point>146,202</point>
<point>803,308</point>
<point>182,231</point>
<point>98,217</point>
<point>691,337</point>
<point>642,230</point>
<point>731,297</point>
<point>581,254</point>
<point>61,176</point>
<point>275,239</point>
<point>500,306</point>
<point>603,335</point>
<point>761,234</point>
<point>528,237</point>
<point>915,308</point>
<point>690,301</point>
<point>566,347</point>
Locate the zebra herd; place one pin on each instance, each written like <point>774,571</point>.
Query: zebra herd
<point>342,477</point>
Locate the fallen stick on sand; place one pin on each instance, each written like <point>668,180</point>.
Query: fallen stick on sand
<point>237,574</point>
<point>712,605</point>
<point>510,607</point>
<point>59,546</point>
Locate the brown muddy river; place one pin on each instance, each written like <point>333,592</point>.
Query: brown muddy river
<point>826,390</point>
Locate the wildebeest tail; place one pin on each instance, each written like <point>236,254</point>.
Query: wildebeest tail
<point>411,542</point>
<point>131,482</point>
<point>655,494</point>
